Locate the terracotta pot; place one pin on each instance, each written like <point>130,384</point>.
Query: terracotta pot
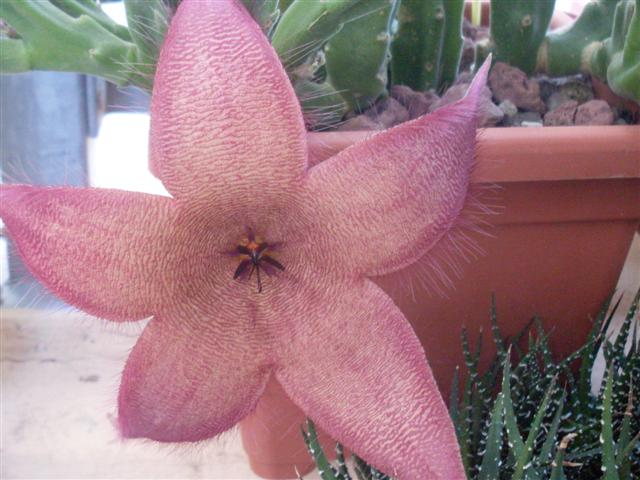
<point>604,92</point>
<point>571,204</point>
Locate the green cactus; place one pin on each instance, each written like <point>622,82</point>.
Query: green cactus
<point>569,51</point>
<point>451,49</point>
<point>616,60</point>
<point>426,50</point>
<point>265,13</point>
<point>148,21</point>
<point>71,35</point>
<point>623,73</point>
<point>518,27</point>
<point>305,27</point>
<point>335,51</point>
<point>284,4</point>
<point>366,39</point>
<point>601,57</point>
<point>76,8</point>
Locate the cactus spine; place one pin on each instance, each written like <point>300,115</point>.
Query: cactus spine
<point>426,50</point>
<point>321,104</point>
<point>366,39</point>
<point>148,21</point>
<point>518,28</point>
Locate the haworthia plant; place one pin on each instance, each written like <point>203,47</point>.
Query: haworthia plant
<point>427,48</point>
<point>325,469</point>
<point>609,465</point>
<point>544,423</point>
<point>490,467</point>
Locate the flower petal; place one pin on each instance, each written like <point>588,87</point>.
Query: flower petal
<point>193,374</point>
<point>350,360</point>
<point>226,127</point>
<point>386,201</point>
<point>104,251</point>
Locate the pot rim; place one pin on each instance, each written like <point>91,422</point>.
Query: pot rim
<point>529,154</point>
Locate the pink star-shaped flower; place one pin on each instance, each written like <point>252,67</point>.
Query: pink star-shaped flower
<point>260,265</point>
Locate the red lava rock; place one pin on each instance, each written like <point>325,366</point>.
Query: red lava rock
<point>564,114</point>
<point>402,93</point>
<point>510,83</point>
<point>594,112</point>
<point>359,122</point>
<point>416,103</point>
<point>432,97</point>
<point>388,112</point>
<point>490,114</point>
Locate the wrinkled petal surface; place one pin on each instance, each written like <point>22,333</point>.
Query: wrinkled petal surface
<point>194,372</point>
<point>350,360</point>
<point>385,201</point>
<point>226,127</point>
<point>107,252</point>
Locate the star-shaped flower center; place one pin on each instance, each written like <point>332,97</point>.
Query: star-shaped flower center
<point>255,256</point>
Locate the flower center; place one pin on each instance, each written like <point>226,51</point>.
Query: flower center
<point>255,257</point>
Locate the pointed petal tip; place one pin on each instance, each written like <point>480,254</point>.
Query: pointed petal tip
<point>121,429</point>
<point>126,426</point>
<point>480,79</point>
<point>413,440</point>
<point>196,133</point>
<point>128,429</point>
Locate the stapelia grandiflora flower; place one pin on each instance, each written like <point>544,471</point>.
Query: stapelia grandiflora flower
<point>258,264</point>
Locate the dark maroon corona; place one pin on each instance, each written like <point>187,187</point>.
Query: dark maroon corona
<point>255,257</point>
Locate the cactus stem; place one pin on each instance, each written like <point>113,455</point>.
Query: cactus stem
<point>587,54</point>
